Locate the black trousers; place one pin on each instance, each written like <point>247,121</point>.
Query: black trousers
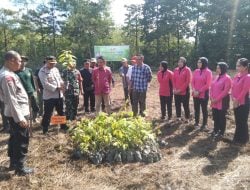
<point>89,99</point>
<point>139,98</point>
<point>241,114</point>
<point>201,102</point>
<point>49,106</point>
<point>18,143</point>
<point>184,100</point>
<point>166,101</point>
<point>125,93</point>
<point>219,117</point>
<point>131,96</point>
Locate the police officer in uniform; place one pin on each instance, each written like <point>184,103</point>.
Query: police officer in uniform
<point>53,87</point>
<point>16,109</point>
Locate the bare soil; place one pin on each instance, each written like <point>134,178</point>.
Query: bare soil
<point>191,160</point>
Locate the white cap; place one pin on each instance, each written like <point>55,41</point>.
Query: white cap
<point>93,60</point>
<point>124,60</point>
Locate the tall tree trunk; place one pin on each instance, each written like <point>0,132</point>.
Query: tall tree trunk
<point>178,32</point>
<point>54,28</point>
<point>197,31</point>
<point>5,39</point>
<point>136,35</point>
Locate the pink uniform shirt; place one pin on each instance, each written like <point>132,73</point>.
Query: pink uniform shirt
<point>164,80</point>
<point>182,79</point>
<point>102,78</point>
<point>201,81</point>
<point>241,87</point>
<point>220,88</point>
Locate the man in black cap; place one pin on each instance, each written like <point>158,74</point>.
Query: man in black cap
<point>26,76</point>
<point>53,87</point>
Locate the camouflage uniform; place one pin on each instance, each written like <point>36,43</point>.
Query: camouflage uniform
<point>72,80</point>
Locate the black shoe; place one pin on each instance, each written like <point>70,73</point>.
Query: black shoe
<point>24,171</point>
<point>217,137</point>
<point>93,110</point>
<point>45,132</point>
<point>213,133</point>
<point>196,126</point>
<point>204,128</point>
<point>162,117</point>
<point>142,114</point>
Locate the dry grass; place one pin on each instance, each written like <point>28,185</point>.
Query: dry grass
<point>190,160</point>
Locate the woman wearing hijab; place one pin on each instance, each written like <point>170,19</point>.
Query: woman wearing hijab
<point>219,95</point>
<point>181,81</point>
<point>165,78</point>
<point>240,90</point>
<point>201,82</point>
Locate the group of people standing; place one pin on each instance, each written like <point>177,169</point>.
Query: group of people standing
<point>94,81</point>
<point>204,86</point>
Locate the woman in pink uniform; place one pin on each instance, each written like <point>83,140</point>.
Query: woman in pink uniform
<point>219,95</point>
<point>165,78</point>
<point>181,82</point>
<point>240,95</point>
<point>201,82</point>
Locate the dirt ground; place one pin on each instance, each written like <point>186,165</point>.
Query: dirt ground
<point>191,160</point>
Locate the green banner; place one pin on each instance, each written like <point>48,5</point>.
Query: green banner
<point>112,53</point>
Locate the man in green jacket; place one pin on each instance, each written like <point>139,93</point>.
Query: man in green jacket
<point>26,76</point>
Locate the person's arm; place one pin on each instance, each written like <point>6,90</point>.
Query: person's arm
<point>174,80</point>
<point>93,77</point>
<point>121,72</point>
<point>171,75</point>
<point>8,86</point>
<point>186,82</point>
<point>159,78</point>
<point>35,78</point>
<point>208,82</point>
<point>131,79</point>
<point>45,82</point>
<point>227,87</point>
<point>193,80</point>
<point>80,79</point>
<point>32,79</point>
<point>245,89</point>
<point>149,74</point>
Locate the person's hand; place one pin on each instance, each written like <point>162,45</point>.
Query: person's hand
<point>38,90</point>
<point>60,88</point>
<point>82,93</point>
<point>196,93</point>
<point>177,91</point>
<point>236,103</point>
<point>214,101</point>
<point>23,124</point>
